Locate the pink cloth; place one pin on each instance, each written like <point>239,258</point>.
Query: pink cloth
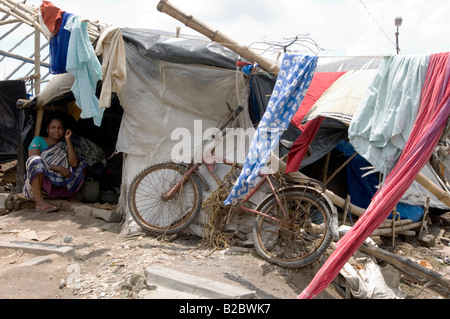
<point>430,124</point>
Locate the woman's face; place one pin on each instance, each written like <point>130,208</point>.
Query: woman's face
<point>56,129</point>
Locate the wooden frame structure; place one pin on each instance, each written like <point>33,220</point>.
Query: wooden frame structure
<point>20,24</point>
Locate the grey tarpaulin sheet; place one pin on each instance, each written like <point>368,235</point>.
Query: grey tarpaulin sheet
<point>167,47</point>
<point>160,97</point>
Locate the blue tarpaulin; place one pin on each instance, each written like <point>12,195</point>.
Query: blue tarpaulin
<point>362,189</point>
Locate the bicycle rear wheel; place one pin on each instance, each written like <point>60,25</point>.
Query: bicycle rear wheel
<point>297,240</point>
<point>152,211</point>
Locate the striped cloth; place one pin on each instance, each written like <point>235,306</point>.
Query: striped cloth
<point>428,128</point>
<point>54,184</point>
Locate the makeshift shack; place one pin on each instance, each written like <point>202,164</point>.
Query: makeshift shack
<point>335,94</point>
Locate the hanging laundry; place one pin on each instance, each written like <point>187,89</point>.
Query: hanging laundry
<point>59,45</point>
<point>382,123</point>
<point>343,98</point>
<point>293,82</point>
<point>301,145</point>
<point>111,47</point>
<point>427,130</point>
<point>84,65</point>
<point>319,85</point>
<point>52,17</point>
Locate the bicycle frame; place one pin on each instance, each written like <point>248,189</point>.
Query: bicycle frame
<point>289,218</point>
<point>265,178</point>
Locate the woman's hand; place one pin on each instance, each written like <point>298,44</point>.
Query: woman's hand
<point>62,170</point>
<point>69,135</point>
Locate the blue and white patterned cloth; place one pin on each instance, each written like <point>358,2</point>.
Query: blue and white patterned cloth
<point>294,79</point>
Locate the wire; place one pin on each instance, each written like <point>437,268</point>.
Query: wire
<point>374,20</point>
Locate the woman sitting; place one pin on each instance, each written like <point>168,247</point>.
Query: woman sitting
<point>53,167</point>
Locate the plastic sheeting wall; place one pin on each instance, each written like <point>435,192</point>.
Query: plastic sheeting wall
<point>160,97</point>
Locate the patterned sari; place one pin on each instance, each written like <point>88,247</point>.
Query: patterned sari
<point>54,184</point>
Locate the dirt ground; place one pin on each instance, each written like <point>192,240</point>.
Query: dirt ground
<point>108,265</point>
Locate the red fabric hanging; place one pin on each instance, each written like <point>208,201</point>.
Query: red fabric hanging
<point>320,84</point>
<point>300,147</point>
<point>52,17</point>
<point>429,126</point>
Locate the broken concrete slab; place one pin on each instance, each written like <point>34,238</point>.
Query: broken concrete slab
<point>202,287</point>
<point>108,216</point>
<point>166,293</point>
<point>37,261</point>
<point>38,248</point>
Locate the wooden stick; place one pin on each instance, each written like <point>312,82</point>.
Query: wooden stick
<point>340,202</point>
<point>388,223</point>
<point>406,265</point>
<point>216,36</point>
<point>394,216</point>
<point>424,219</point>
<point>346,205</point>
<point>398,229</point>
<point>340,168</point>
<point>325,168</point>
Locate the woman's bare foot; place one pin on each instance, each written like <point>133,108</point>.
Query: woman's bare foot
<point>44,207</point>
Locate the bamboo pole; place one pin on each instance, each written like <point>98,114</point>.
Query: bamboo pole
<point>19,14</point>
<point>9,22</point>
<point>440,194</point>
<point>216,36</point>
<point>20,58</point>
<point>388,223</point>
<point>37,79</point>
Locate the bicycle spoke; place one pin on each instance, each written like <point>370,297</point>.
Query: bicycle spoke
<point>155,213</point>
<point>290,240</point>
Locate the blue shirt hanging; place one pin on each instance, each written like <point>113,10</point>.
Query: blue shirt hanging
<point>294,79</point>
<point>59,45</point>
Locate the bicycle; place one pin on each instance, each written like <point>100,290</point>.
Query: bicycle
<point>293,223</point>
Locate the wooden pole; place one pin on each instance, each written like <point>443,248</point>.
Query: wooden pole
<point>424,218</point>
<point>406,264</point>
<point>216,36</point>
<point>37,79</point>
<point>440,194</point>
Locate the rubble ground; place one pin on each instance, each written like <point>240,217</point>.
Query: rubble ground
<point>108,265</point>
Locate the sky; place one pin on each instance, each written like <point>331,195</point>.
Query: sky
<point>340,28</point>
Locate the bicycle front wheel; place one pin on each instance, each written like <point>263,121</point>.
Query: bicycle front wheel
<point>157,214</point>
<point>295,240</point>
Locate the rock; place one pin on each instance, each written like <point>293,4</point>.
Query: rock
<point>427,241</point>
<point>68,239</point>
<point>444,219</point>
